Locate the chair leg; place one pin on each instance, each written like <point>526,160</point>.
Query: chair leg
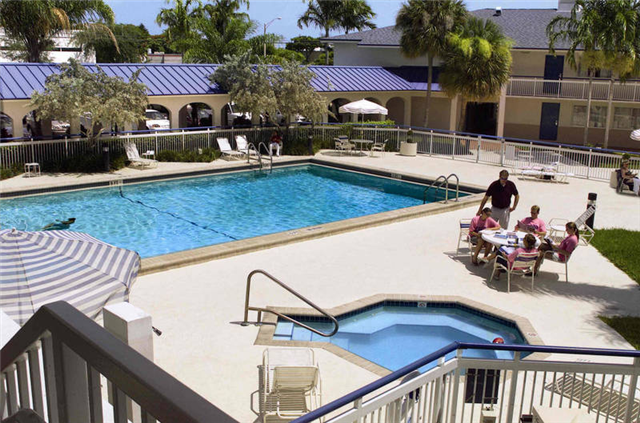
<point>508,281</point>
<point>532,279</point>
<point>458,248</point>
<point>566,271</point>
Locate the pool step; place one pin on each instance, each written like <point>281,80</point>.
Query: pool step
<point>284,329</point>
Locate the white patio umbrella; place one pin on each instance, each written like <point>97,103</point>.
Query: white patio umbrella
<point>635,135</point>
<point>363,106</point>
<point>42,267</point>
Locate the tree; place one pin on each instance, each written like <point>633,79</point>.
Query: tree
<point>477,62</point>
<point>30,25</point>
<point>305,45</point>
<point>221,12</point>
<point>330,14</point>
<point>76,92</point>
<point>426,26</point>
<point>132,40</point>
<point>608,33</point>
<point>179,21</point>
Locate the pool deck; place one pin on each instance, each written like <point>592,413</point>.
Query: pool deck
<point>194,305</point>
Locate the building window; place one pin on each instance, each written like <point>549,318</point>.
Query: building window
<point>626,118</point>
<point>598,116</point>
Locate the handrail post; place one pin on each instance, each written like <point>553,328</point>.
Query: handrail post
<point>456,387</point>
<point>183,140</point>
<point>589,164</point>
<point>453,148</point>
<point>438,396</point>
<point>633,384</point>
<point>478,148</point>
<point>431,143</point>
<point>502,147</point>
<point>357,405</point>
<point>513,387</point>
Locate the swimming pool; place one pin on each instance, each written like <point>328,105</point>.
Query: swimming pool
<point>164,217</point>
<point>395,335</point>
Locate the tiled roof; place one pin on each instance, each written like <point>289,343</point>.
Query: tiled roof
<point>527,27</point>
<point>19,80</point>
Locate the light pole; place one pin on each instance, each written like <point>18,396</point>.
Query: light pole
<point>265,33</point>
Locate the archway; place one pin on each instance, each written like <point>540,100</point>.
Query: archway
<point>195,115</point>
<point>156,117</point>
<point>6,126</point>
<point>395,106</point>
<point>334,106</point>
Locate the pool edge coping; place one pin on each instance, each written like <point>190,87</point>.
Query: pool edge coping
<point>267,330</point>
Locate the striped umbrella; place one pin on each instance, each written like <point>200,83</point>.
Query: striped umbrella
<point>37,268</point>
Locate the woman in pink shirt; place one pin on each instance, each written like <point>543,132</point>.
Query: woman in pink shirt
<point>529,242</point>
<point>478,223</point>
<point>561,252</point>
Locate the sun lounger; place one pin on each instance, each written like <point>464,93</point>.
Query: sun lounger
<point>242,145</point>
<point>543,173</point>
<point>134,157</point>
<point>227,151</point>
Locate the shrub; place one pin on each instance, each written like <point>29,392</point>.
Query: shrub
<point>204,155</point>
<point>91,163</point>
<point>9,172</point>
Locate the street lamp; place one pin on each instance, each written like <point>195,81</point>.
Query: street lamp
<point>265,33</point>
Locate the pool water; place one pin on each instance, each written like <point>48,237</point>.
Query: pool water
<point>164,217</point>
<point>394,336</point>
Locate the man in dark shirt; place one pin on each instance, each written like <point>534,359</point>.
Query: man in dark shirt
<point>501,192</point>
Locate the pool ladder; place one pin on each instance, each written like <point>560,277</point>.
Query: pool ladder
<point>440,180</point>
<point>258,156</point>
<point>261,310</point>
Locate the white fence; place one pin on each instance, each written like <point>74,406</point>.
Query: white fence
<point>573,88</point>
<point>582,163</point>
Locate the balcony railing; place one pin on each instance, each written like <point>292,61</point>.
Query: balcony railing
<point>573,89</point>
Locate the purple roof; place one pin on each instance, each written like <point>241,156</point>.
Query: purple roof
<point>19,80</point>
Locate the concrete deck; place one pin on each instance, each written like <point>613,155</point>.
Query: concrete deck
<point>194,305</point>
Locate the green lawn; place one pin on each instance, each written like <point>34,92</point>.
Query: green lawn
<point>621,247</point>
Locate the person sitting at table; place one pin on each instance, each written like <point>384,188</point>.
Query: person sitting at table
<point>478,223</point>
<point>532,224</point>
<point>562,251</point>
<point>626,176</point>
<point>507,259</point>
<point>275,143</point>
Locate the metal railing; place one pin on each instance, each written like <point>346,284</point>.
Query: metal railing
<point>261,310</point>
<point>443,180</point>
<point>462,389</point>
<point>582,162</point>
<point>58,362</point>
<point>573,88</point>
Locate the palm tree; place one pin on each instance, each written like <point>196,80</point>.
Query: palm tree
<point>425,26</point>
<point>30,25</point>
<point>179,21</point>
<point>330,14</point>
<point>608,33</point>
<point>222,11</point>
<point>477,62</point>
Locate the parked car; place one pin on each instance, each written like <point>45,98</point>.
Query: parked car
<point>235,117</point>
<point>156,120</point>
<point>60,128</point>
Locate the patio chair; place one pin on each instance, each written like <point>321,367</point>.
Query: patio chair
<point>463,235</point>
<point>227,151</point>
<point>550,256</point>
<point>242,145</point>
<point>522,265</point>
<point>557,230</point>
<point>134,157</point>
<point>379,146</point>
<point>343,144</point>
<point>290,384</point>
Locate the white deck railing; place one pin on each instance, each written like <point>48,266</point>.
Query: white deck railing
<point>573,88</point>
<point>581,162</point>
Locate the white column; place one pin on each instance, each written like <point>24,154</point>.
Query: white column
<point>175,118</point>
<point>501,111</point>
<point>453,113</point>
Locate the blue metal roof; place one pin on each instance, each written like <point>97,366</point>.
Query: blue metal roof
<point>19,80</point>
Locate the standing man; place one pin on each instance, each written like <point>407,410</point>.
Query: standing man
<point>501,192</point>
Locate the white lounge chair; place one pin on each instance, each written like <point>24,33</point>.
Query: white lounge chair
<point>290,384</point>
<point>242,145</point>
<point>134,157</point>
<point>227,151</point>
<point>379,146</point>
<point>544,173</point>
<point>522,265</point>
<point>557,230</point>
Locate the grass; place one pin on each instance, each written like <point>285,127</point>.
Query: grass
<point>620,247</point>
<point>627,326</point>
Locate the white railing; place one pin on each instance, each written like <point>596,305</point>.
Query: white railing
<point>573,88</point>
<point>581,162</point>
<point>505,390</point>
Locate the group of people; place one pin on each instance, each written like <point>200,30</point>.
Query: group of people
<point>498,215</point>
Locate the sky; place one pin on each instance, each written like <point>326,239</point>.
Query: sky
<point>263,11</point>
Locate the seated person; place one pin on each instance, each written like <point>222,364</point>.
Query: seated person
<point>478,223</point>
<point>562,251</point>
<point>532,224</point>
<point>626,176</point>
<point>275,142</point>
<point>507,260</point>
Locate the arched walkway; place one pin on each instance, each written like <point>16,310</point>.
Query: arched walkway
<point>6,126</point>
<point>195,115</point>
<point>396,106</point>
<point>339,117</point>
<point>156,117</point>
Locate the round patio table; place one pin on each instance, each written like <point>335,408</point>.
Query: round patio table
<point>504,238</point>
<point>363,144</point>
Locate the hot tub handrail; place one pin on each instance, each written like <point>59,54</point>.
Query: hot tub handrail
<point>260,310</point>
<point>442,352</point>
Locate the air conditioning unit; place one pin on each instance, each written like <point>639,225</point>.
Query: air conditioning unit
<point>488,415</point>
